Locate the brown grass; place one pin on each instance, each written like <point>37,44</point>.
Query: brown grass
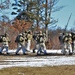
<point>56,70</point>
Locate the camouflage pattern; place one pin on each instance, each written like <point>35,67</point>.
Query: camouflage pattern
<point>73,42</point>
<point>21,44</point>
<point>29,37</point>
<point>5,43</point>
<point>67,43</point>
<point>40,43</point>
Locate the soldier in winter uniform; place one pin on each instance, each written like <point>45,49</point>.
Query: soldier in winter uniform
<point>45,40</point>
<point>40,39</point>
<point>5,43</point>
<point>21,44</point>
<point>61,39</point>
<point>25,38</point>
<point>29,38</point>
<point>73,42</point>
<point>67,40</point>
<point>40,43</point>
<point>35,36</point>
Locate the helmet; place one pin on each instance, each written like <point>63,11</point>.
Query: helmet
<point>5,34</point>
<point>20,34</point>
<point>69,34</point>
<point>23,33</point>
<point>40,32</point>
<point>29,32</point>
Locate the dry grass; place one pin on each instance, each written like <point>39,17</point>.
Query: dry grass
<point>56,70</point>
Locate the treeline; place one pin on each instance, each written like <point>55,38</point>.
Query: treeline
<point>34,15</point>
<point>13,30</point>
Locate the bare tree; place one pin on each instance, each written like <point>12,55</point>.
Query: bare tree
<point>49,6</point>
<point>39,12</point>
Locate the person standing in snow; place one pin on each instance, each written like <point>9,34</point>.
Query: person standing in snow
<point>5,43</point>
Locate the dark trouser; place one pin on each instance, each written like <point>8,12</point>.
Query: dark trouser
<point>41,49</point>
<point>23,49</point>
<point>6,47</point>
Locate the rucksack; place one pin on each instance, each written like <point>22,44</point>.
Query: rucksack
<point>1,38</point>
<point>34,37</point>
<point>60,38</point>
<point>18,38</point>
<point>40,39</point>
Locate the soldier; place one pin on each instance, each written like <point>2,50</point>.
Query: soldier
<point>45,40</point>
<point>68,42</point>
<point>5,43</point>
<point>41,43</point>
<point>25,38</point>
<point>61,39</point>
<point>21,44</point>
<point>61,36</point>
<point>40,39</point>
<point>35,36</point>
<point>73,42</point>
<point>29,38</point>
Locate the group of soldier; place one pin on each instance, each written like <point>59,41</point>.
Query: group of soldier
<point>23,41</point>
<point>67,40</point>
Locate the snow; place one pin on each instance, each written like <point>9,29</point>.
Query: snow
<point>38,61</point>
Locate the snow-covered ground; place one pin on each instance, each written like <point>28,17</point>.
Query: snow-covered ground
<point>37,61</point>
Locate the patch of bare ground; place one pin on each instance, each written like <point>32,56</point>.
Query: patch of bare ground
<point>55,70</point>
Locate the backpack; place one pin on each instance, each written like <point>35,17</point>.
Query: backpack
<point>18,38</point>
<point>1,38</point>
<point>60,38</point>
<point>34,37</point>
<point>40,39</point>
